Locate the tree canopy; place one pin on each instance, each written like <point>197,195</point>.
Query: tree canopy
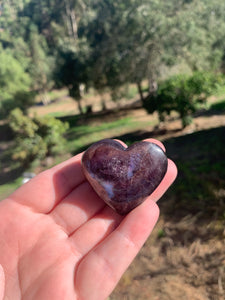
<point>105,44</point>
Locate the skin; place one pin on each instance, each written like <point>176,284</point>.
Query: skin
<point>59,240</point>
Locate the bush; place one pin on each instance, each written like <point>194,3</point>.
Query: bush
<point>52,130</point>
<point>29,149</point>
<point>183,94</point>
<point>22,100</point>
<point>22,125</point>
<point>36,138</point>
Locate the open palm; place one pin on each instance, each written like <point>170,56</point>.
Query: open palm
<point>59,240</point>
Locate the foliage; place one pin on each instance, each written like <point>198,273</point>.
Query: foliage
<point>36,138</point>
<point>22,100</point>
<point>183,94</point>
<point>41,64</point>
<point>14,84</point>
<point>125,41</point>
<point>72,70</point>
<point>52,130</point>
<point>106,44</point>
<point>13,78</point>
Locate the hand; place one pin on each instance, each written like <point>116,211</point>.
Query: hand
<point>59,240</point>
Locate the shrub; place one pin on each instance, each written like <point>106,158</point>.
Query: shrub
<point>22,125</point>
<point>22,100</point>
<point>36,138</point>
<point>52,130</point>
<point>183,94</point>
<point>29,149</point>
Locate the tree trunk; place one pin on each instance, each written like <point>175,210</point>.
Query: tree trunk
<point>71,21</point>
<point>79,106</point>
<point>44,98</point>
<point>104,108</point>
<point>140,92</point>
<point>73,24</point>
<point>152,86</point>
<point>74,92</point>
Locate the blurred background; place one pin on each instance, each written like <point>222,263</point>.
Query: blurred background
<point>76,71</point>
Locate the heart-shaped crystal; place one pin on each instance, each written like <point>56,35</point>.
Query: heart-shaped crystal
<point>124,177</point>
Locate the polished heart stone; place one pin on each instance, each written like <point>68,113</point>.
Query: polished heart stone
<point>124,177</point>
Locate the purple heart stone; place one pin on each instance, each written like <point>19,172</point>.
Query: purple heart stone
<point>124,177</point>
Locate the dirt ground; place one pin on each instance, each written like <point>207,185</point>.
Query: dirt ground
<point>69,106</point>
<point>184,264</point>
<point>170,128</point>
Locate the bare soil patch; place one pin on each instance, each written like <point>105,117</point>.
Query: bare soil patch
<point>184,264</point>
<point>67,105</point>
<point>64,104</point>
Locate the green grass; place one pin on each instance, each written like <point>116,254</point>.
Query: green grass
<point>8,188</point>
<point>220,91</point>
<point>83,135</point>
<point>200,158</point>
<point>219,106</point>
<point>89,129</point>
<point>59,114</point>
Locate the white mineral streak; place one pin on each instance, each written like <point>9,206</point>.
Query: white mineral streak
<point>108,186</point>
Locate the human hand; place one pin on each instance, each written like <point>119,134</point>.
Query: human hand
<point>59,240</point>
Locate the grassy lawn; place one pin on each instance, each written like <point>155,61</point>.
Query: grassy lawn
<point>81,136</point>
<point>200,158</point>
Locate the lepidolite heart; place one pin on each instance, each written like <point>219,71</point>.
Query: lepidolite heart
<point>124,177</point>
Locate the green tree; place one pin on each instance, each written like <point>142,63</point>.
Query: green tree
<point>14,84</point>
<point>183,94</point>
<point>53,17</point>
<point>197,34</point>
<point>126,41</point>
<point>72,70</point>
<point>113,43</point>
<point>41,65</point>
